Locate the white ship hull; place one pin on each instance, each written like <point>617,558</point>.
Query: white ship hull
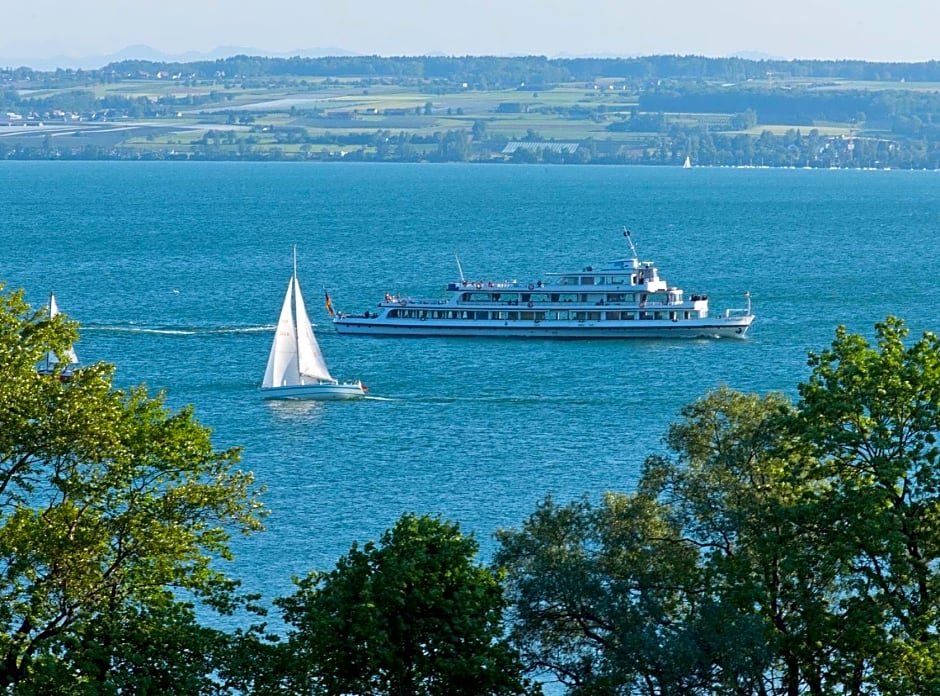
<point>735,327</point>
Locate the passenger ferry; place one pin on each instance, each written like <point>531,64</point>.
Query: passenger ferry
<point>624,298</point>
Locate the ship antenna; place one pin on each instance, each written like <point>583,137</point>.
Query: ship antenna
<point>459,269</point>
<point>626,233</point>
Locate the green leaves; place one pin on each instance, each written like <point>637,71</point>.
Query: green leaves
<point>412,614</point>
<point>109,506</point>
<point>780,549</point>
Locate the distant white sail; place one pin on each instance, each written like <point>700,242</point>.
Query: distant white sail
<point>51,358</point>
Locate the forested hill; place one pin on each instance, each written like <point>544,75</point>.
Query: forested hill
<point>492,72</point>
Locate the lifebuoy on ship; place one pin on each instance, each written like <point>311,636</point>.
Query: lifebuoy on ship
<point>531,304</point>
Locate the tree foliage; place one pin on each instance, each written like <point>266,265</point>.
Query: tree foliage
<point>113,511</point>
<point>784,548</point>
<point>412,615</point>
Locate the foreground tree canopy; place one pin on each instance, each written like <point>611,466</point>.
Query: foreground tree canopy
<point>782,549</point>
<point>413,615</point>
<point>112,510</point>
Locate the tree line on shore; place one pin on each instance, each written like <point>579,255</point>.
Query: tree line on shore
<point>893,122</point>
<point>778,548</point>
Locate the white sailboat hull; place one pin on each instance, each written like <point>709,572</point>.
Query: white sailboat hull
<point>315,392</point>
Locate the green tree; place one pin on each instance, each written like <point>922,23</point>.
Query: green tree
<point>113,511</point>
<point>799,544</point>
<point>413,615</point>
<point>656,592</point>
<point>872,414</point>
<point>734,490</point>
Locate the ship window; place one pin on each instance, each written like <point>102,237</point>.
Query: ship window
<point>513,316</point>
<point>587,280</point>
<point>646,315</point>
<point>594,316</point>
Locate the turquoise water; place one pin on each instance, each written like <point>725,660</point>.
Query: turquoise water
<point>177,271</point>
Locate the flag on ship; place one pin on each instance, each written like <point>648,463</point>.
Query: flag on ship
<point>328,303</point>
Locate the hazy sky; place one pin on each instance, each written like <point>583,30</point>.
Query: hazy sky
<point>875,30</point>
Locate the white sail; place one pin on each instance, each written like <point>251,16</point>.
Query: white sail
<point>51,357</point>
<point>282,361</point>
<point>310,360</point>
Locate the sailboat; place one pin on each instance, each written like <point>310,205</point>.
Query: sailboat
<point>71,359</point>
<point>296,368</point>
<point>688,162</point>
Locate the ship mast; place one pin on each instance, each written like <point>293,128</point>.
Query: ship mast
<point>636,258</point>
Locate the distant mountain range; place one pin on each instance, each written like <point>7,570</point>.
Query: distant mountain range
<point>141,52</point>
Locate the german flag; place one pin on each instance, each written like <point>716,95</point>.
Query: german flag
<point>328,303</point>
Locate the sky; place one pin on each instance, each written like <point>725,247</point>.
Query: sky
<point>872,30</point>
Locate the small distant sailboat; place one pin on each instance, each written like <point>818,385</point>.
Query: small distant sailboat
<point>52,360</point>
<point>296,368</point>
<point>688,162</point>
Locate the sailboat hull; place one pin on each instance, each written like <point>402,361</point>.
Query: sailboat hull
<point>315,392</point>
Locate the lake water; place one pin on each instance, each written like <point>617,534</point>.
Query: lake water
<point>176,272</point>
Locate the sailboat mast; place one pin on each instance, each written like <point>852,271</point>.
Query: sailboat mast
<point>295,290</point>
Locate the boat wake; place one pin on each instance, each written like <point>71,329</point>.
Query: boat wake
<point>177,330</point>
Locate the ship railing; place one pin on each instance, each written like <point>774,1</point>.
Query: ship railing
<point>489,284</point>
<point>740,311</point>
<point>737,312</point>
